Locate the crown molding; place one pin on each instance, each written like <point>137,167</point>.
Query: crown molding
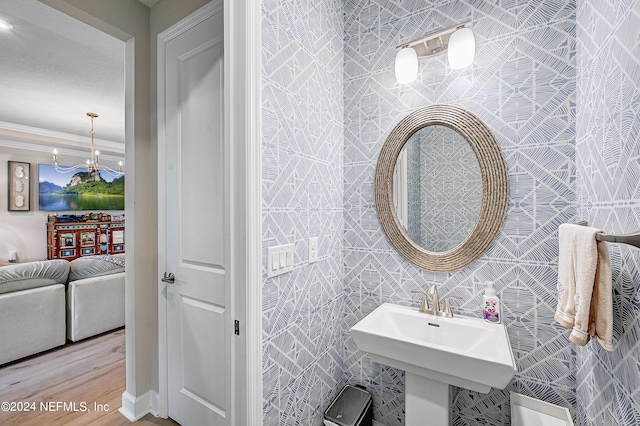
<point>35,136</point>
<point>62,152</point>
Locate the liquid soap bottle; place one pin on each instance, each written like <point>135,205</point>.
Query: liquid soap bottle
<point>491,305</point>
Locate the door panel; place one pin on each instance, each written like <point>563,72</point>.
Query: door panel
<point>200,75</point>
<point>197,230</point>
<point>201,333</point>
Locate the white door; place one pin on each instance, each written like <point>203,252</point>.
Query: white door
<point>199,327</point>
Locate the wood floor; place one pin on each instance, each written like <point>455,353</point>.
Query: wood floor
<point>88,376</point>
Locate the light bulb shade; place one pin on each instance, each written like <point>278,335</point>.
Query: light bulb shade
<point>4,25</point>
<point>462,48</point>
<point>406,65</point>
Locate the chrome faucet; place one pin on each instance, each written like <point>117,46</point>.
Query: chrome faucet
<point>435,310</point>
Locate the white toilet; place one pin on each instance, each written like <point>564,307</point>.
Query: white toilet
<point>527,411</point>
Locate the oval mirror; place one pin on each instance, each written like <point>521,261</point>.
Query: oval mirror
<point>441,188</point>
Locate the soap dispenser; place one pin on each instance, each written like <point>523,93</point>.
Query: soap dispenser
<point>491,305</point>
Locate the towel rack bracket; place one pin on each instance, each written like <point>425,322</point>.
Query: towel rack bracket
<point>630,239</point>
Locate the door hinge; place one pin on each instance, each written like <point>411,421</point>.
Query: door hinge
<point>236,327</point>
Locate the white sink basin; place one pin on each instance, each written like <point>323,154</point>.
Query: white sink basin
<point>462,351</point>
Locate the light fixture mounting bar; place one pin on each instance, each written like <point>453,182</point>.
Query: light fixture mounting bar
<point>434,43</point>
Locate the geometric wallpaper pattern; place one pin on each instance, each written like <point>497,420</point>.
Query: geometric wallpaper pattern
<point>444,188</point>
<point>557,83</point>
<point>450,185</point>
<point>522,86</point>
<point>608,188</point>
<point>302,192</point>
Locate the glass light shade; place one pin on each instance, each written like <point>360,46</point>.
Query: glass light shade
<point>462,48</point>
<point>406,65</point>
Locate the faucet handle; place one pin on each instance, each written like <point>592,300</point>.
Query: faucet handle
<point>425,301</point>
<point>447,305</point>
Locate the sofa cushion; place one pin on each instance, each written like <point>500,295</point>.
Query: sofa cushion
<point>31,321</point>
<point>23,276</point>
<point>96,266</point>
<point>95,305</point>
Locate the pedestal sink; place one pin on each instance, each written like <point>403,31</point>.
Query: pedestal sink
<point>436,352</point>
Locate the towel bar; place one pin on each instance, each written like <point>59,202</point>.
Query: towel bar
<point>631,239</point>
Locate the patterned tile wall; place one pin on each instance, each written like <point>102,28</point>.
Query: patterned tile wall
<point>303,138</point>
<point>608,189</point>
<point>522,85</point>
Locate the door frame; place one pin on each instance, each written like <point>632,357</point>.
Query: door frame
<point>243,105</point>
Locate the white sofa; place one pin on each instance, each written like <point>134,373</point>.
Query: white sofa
<point>95,296</point>
<point>45,302</point>
<point>32,308</point>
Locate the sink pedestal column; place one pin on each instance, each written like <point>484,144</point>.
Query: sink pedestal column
<point>426,401</point>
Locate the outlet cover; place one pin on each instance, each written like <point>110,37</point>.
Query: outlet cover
<point>313,249</point>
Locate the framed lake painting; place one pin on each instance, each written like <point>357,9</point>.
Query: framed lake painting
<point>78,190</point>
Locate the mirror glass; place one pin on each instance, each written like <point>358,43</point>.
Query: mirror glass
<point>437,188</point>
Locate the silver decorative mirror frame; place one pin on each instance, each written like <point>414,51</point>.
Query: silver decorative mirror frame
<point>495,187</point>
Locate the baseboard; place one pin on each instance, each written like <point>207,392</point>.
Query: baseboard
<point>136,408</point>
<point>376,423</point>
<point>155,403</point>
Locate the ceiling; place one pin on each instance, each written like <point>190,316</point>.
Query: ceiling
<point>55,69</point>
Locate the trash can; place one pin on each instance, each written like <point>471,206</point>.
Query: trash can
<point>352,407</point>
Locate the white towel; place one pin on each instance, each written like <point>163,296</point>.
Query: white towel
<point>585,302</point>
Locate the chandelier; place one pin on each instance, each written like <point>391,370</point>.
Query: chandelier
<point>93,163</point>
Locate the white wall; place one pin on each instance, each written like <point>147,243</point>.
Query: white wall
<point>24,232</point>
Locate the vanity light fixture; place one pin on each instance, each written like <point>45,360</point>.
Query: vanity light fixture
<point>93,162</point>
<point>4,25</point>
<point>458,40</point>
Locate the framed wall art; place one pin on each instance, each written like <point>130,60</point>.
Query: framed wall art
<point>59,191</point>
<point>19,187</point>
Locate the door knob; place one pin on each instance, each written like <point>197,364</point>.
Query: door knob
<point>169,278</point>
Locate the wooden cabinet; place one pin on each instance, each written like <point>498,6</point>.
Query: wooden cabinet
<point>71,236</point>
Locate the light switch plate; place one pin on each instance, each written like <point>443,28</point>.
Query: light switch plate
<point>313,249</point>
<point>279,260</point>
